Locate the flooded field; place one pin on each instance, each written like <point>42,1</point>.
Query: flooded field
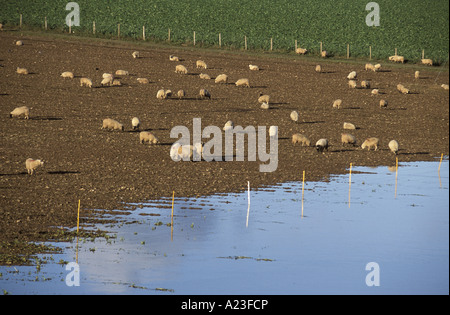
<point>387,233</point>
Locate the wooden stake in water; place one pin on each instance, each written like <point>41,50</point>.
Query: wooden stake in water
<point>78,216</point>
<point>171,221</point>
<point>303,190</point>
<point>396,175</point>
<point>248,209</point>
<point>349,184</point>
<point>439,168</point>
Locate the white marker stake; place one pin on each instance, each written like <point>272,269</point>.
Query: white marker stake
<point>248,209</point>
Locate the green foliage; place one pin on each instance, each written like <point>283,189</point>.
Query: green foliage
<point>409,25</point>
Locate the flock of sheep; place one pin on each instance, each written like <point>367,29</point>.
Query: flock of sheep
<point>177,152</point>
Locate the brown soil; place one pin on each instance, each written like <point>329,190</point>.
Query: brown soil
<point>107,170</point>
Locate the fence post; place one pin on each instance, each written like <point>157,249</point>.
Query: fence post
<point>348,51</point>
<point>20,23</point>
<point>370,52</point>
<point>118,30</point>
<point>271,44</point>
<point>220,40</point>
<point>245,42</point>
<point>168,38</point>
<point>45,23</point>
<point>295,45</point>
<point>143,32</point>
<point>194,38</point>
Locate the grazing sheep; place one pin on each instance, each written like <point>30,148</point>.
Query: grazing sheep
<point>301,51</point>
<point>174,58</point>
<point>302,139</point>
<point>186,152</point>
<point>174,155</point>
<point>181,94</point>
<point>444,86</point>
<point>349,126</point>
<point>32,164</point>
<point>116,82</point>
<point>221,78</point>
<point>377,67</point>
<point>168,93</point>
<point>397,59</point>
<point>19,111</point>
<point>112,124</point>
<point>161,94</point>
<point>135,123</point>
<point>204,93</point>
<point>85,81</point>
<point>369,66</point>
<point>393,145</point>
<point>352,75</point>
<point>428,62</point>
<point>324,54</point>
<point>318,68</point>
<point>253,67</point>
<point>417,75</point>
<point>107,75</point>
<point>265,105</point>
<point>67,74</point>
<point>19,43</point>
<point>347,138</point>
<point>273,132</point>
<point>243,82</point>
<point>142,80</point>
<point>383,103</point>
<point>337,103</point>
<point>263,98</point>
<point>201,64</point>
<point>369,143</point>
<point>402,89</point>
<point>375,92</point>
<point>181,69</point>
<point>122,72</point>
<point>294,116</point>
<point>322,145</point>
<point>135,54</point>
<point>21,70</point>
<point>229,125</point>
<point>145,136</point>
<point>352,84</point>
<point>365,84</point>
<point>107,80</point>
<point>204,76</point>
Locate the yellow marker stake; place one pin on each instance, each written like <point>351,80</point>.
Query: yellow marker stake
<point>439,169</point>
<point>78,217</point>
<point>303,190</point>
<point>396,175</point>
<point>171,224</point>
<point>349,184</point>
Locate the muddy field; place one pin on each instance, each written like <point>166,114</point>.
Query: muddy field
<point>107,170</point>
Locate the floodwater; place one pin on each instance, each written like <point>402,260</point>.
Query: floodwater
<point>391,238</point>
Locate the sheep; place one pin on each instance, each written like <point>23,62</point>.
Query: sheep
<point>369,143</point>
<point>229,125</point>
<point>186,152</point>
<point>32,164</point>
<point>67,74</point>
<point>402,89</point>
<point>181,94</point>
<point>376,67</point>
<point>383,103</point>
<point>302,139</point>
<point>263,98</point>
<point>221,78</point>
<point>1,27</point>
<point>204,76</point>
<point>142,80</point>
<point>116,82</point>
<point>122,72</point>
<point>347,138</point>
<point>18,111</point>
<point>273,132</point>
<point>393,146</point>
<point>168,93</point>
<point>428,62</point>
<point>85,81</point>
<point>352,84</point>
<point>145,136</point>
<point>301,51</point>
<point>322,145</point>
<point>375,92</point>
<point>107,75</point>
<point>444,86</point>
<point>265,105</point>
<point>369,66</point>
<point>204,93</point>
<point>135,54</point>
<point>243,82</point>
<point>294,116</point>
<point>352,75</point>
<point>349,126</point>
<point>397,58</point>
<point>253,67</point>
<point>161,94</point>
<point>107,80</point>
<point>324,54</point>
<point>135,123</point>
<point>19,43</point>
<point>337,103</point>
<point>181,69</point>
<point>174,58</point>
<point>318,68</point>
<point>112,124</point>
<point>201,64</point>
<point>365,84</point>
<point>22,70</point>
<point>174,155</point>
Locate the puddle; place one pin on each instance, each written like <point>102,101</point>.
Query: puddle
<point>403,228</point>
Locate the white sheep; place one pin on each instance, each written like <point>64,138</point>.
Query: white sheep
<point>375,92</point>
<point>273,132</point>
<point>397,58</point>
<point>347,138</point>
<point>22,70</point>
<point>229,125</point>
<point>369,66</point>
<point>107,75</point>
<point>377,67</point>
<point>161,94</point>
<point>352,75</point>
<point>369,143</point>
<point>32,164</point>
<point>428,62</point>
<point>204,76</point>
<point>294,116</point>
<point>322,145</point>
<point>352,84</point>
<point>168,93</point>
<point>337,103</point>
<point>301,51</point>
<point>19,111</point>
<point>135,123</point>
<point>265,105</point>
<point>318,68</point>
<point>243,82</point>
<point>300,138</point>
<point>253,67</point>
<point>142,80</point>
<point>365,84</point>
<point>135,54</point>
<point>444,86</point>
<point>67,74</point>
<point>221,78</point>
<point>107,80</point>
<point>19,43</point>
<point>263,98</point>
<point>201,64</point>
<point>181,94</point>
<point>417,75</point>
<point>181,69</point>
<point>393,146</point>
<point>116,82</point>
<point>402,89</point>
<point>204,93</point>
<point>145,136</point>
<point>174,58</point>
<point>122,72</point>
<point>383,103</point>
<point>349,126</point>
<point>85,81</point>
<point>324,54</point>
<point>112,124</point>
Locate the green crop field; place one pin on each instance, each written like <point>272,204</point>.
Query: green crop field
<point>408,25</point>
